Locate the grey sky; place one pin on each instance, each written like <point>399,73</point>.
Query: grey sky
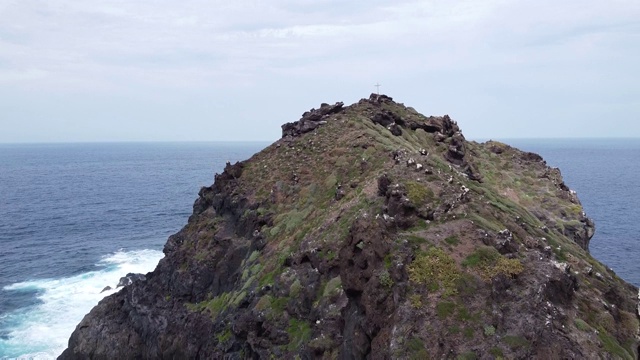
<point>236,70</point>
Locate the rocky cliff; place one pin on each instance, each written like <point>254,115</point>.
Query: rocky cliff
<point>373,232</point>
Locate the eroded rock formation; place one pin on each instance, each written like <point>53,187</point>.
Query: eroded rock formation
<point>374,232</point>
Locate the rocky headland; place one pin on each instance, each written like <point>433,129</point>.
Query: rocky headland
<point>371,231</point>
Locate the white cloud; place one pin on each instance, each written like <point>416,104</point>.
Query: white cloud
<point>541,50</point>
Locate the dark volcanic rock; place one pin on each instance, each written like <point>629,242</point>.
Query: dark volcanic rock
<point>311,120</point>
<point>384,234</point>
<point>129,279</point>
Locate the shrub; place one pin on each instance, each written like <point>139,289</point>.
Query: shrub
<point>490,263</point>
<point>418,193</point>
<point>416,300</point>
<point>504,266</point>
<point>385,279</point>
<point>489,330</point>
<point>435,269</point>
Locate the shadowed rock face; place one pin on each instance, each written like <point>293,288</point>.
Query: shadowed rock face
<point>374,232</point>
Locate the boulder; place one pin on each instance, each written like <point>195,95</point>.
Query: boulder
<point>311,119</point>
<point>130,279</point>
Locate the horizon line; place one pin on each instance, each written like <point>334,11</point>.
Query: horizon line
<point>479,138</point>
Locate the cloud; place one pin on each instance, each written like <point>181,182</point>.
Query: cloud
<point>449,52</point>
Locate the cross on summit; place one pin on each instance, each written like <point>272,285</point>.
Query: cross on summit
<point>377,85</point>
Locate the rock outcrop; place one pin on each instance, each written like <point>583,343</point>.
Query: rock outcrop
<point>311,120</point>
<point>374,232</point>
<point>130,278</point>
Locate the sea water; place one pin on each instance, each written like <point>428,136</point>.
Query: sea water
<point>74,218</point>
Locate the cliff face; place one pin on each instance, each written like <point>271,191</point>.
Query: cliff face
<point>371,231</point>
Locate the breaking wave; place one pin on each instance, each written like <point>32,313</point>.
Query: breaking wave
<point>42,330</point>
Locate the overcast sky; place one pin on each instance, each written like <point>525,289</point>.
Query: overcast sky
<point>236,70</point>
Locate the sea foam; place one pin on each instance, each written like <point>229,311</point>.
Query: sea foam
<point>42,331</point>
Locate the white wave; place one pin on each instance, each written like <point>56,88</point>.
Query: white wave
<point>42,331</point>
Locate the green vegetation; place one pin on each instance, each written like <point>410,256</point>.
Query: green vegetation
<point>416,241</point>
<point>515,342</point>
<point>484,223</point>
<point>224,336</point>
<point>416,349</point>
<point>559,251</point>
<point>489,330</point>
<point>219,303</point>
<point>452,240</point>
<point>496,352</point>
<point>435,269</point>
<point>278,304</point>
<point>293,219</point>
<point>444,309</point>
<point>465,315</point>
<point>254,255</point>
<point>482,255</point>
<point>510,267</point>
<point>332,287</point>
<point>274,231</point>
<point>272,306</point>
<point>467,284</point>
<point>418,193</point>
<point>415,300</point>
<point>581,324</point>
<point>385,279</point>
<point>612,346</point>
<point>490,263</point>
<point>387,261</point>
<point>295,288</point>
<point>299,333</point>
<point>268,278</point>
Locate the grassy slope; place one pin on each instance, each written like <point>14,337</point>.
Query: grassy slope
<point>451,288</point>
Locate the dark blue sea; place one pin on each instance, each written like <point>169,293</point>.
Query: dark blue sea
<point>74,218</point>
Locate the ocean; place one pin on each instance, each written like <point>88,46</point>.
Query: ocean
<point>74,218</point>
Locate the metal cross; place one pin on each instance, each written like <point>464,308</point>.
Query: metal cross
<point>378,88</point>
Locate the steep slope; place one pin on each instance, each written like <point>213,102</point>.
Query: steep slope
<point>371,231</point>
